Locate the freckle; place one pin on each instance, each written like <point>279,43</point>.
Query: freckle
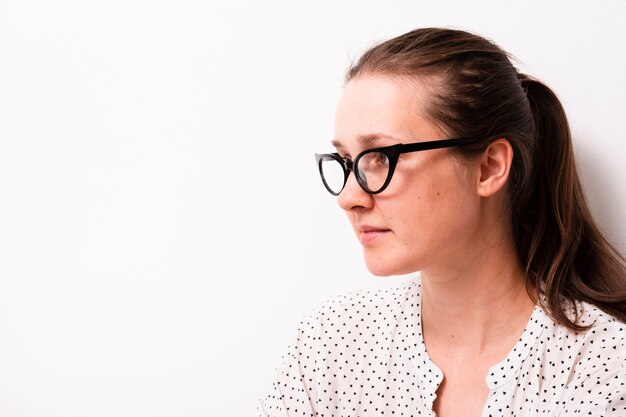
<point>437,193</point>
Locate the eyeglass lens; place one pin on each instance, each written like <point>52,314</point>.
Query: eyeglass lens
<point>333,174</point>
<point>372,167</point>
<point>373,170</point>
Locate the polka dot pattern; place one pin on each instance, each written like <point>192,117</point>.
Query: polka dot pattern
<point>362,354</point>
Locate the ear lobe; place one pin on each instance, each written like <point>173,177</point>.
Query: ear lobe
<point>495,166</point>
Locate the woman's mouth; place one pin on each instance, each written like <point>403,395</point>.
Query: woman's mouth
<point>369,235</point>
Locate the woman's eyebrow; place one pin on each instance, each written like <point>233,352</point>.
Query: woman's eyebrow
<point>336,144</point>
<point>366,139</point>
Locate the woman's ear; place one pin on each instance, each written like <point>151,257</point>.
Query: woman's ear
<point>495,165</point>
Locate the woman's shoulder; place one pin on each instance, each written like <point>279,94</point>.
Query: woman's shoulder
<point>359,316</point>
<point>589,365</point>
<point>599,350</point>
<point>600,324</point>
<point>347,337</point>
<point>605,333</point>
<point>363,305</point>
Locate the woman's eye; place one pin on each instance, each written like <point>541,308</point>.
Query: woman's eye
<point>374,161</point>
<point>380,159</point>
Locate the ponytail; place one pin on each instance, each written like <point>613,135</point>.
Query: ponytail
<point>560,245</point>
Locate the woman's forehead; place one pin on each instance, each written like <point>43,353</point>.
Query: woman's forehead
<point>383,109</point>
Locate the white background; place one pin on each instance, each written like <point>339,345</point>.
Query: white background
<point>162,225</point>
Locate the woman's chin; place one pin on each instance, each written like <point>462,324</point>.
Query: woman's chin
<point>387,267</point>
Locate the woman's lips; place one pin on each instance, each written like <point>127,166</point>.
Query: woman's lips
<point>368,235</point>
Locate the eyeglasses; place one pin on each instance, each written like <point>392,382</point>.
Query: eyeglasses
<point>373,168</point>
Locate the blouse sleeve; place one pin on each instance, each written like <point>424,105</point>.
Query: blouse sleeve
<point>294,387</point>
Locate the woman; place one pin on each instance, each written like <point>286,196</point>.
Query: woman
<point>451,163</point>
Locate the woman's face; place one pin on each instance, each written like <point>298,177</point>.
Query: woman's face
<point>429,214</point>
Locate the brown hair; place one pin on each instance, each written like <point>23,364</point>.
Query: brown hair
<point>476,92</point>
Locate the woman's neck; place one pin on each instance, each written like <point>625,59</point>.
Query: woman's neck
<point>476,308</point>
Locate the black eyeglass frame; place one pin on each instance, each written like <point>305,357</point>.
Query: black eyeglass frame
<point>392,152</point>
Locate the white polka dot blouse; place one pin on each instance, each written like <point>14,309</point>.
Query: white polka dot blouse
<point>362,354</point>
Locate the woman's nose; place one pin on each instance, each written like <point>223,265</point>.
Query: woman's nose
<point>353,196</point>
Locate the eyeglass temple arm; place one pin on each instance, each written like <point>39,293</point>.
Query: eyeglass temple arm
<point>437,144</point>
